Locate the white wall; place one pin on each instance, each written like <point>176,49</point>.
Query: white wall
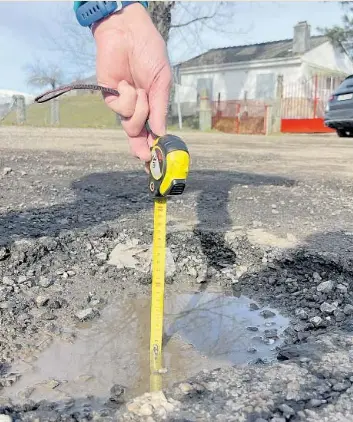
<point>329,64</point>
<point>232,84</point>
<point>328,57</point>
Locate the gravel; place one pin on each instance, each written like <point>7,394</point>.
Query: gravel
<point>66,213</point>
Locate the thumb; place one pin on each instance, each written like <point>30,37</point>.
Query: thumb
<point>158,98</point>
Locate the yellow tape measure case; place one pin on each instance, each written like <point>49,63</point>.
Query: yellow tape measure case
<point>169,166</point>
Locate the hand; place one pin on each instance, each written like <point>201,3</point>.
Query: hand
<point>132,58</point>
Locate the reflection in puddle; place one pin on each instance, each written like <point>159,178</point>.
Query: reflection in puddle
<point>202,331</point>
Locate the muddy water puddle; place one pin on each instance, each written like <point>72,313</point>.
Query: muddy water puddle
<point>202,331</point>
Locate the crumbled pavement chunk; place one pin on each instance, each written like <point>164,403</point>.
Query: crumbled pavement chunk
<point>341,386</point>
<point>271,334</point>
<point>342,288</point>
<point>6,171</point>
<point>45,282</point>
<point>86,314</point>
<point>301,314</point>
<point>8,281</point>
<point>267,314</point>
<point>117,394</point>
<point>316,402</point>
<point>328,308</point>
<point>42,300</point>
<point>325,286</point>
<point>4,253</point>
<point>348,309</point>
<point>316,321</point>
<point>286,410</point>
<point>102,256</point>
<point>149,404</point>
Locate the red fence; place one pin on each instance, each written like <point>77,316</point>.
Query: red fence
<point>303,104</point>
<point>239,116</point>
<point>302,108</point>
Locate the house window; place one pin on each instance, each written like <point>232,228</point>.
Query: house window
<point>202,85</point>
<point>265,86</point>
<point>329,83</point>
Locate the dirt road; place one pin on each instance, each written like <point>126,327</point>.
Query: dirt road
<point>264,218</point>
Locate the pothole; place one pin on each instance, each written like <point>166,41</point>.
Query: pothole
<point>203,331</point>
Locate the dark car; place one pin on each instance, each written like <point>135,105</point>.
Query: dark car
<point>339,109</point>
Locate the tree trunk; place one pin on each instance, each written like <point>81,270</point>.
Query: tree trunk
<point>161,14</point>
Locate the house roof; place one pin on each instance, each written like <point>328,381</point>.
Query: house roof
<point>244,53</point>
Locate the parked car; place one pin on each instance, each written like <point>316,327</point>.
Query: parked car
<point>339,109</point>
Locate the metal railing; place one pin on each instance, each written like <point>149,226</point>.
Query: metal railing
<point>307,98</point>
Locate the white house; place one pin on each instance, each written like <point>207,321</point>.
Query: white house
<point>251,71</point>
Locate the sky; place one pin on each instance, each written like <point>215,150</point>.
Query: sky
<point>27,30</point>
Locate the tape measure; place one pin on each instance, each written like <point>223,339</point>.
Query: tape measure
<point>169,168</point>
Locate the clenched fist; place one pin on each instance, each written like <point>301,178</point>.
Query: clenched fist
<point>132,58</point>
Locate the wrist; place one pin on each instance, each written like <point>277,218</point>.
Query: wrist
<point>89,13</point>
<point>135,14</point>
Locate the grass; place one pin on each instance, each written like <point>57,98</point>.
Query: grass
<point>83,111</point>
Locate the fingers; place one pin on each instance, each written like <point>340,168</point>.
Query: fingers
<point>139,147</point>
<point>123,104</point>
<point>132,106</point>
<point>135,128</point>
<point>158,101</point>
<point>113,70</point>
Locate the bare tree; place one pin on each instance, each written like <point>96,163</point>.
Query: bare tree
<point>43,74</point>
<point>187,27</point>
<point>189,24</point>
<point>195,24</point>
